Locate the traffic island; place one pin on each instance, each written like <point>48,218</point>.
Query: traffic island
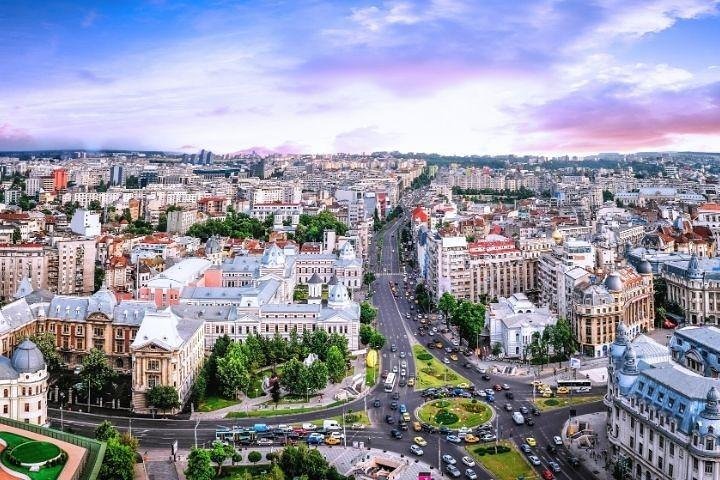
<point>455,413</point>
<point>554,403</point>
<point>430,372</point>
<point>504,461</point>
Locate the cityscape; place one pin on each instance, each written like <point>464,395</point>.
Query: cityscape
<point>408,240</point>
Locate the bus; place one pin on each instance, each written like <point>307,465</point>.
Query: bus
<point>580,386</point>
<point>390,382</point>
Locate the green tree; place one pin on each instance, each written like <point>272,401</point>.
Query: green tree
<point>254,456</point>
<point>199,388</point>
<point>96,370</point>
<point>311,227</point>
<point>497,348</point>
<point>608,196</point>
<point>16,235</point>
<point>199,465</point>
<point>101,187</point>
<point>368,278</point>
<point>232,372</point>
<point>45,342</point>
<point>275,391</point>
<point>105,431</point>
<point>162,222</point>
<point>94,205</point>
<point>99,277</point>
<point>163,397</point>
<point>447,304</point>
<point>118,462</point>
<point>469,317</point>
<point>366,334</point>
<point>377,341</point>
<point>335,363</point>
<point>367,312</point>
<point>236,457</point>
<point>562,339</point>
<point>219,453</point>
<point>294,378</point>
<point>130,441</point>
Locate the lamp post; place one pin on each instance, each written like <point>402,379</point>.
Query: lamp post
<point>307,394</point>
<point>197,422</point>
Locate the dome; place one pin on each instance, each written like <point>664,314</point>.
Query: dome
<point>273,257</point>
<point>557,235</point>
<point>104,300</point>
<point>27,358</point>
<point>212,246</point>
<point>693,269</point>
<point>347,251</point>
<point>7,372</point>
<point>711,411</point>
<point>617,348</point>
<point>613,282</point>
<point>644,268</point>
<point>630,360</point>
<point>338,295</point>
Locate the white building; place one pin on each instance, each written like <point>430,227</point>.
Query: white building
<point>23,384</point>
<point>85,223</point>
<point>513,321</point>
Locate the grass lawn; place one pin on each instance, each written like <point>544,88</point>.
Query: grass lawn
<point>12,440</point>
<point>455,412</point>
<point>255,388</point>
<point>234,473</point>
<point>505,466</point>
<point>371,375</point>
<point>431,372</point>
<point>213,403</point>
<point>354,417</point>
<point>34,452</point>
<point>565,401</point>
<point>272,412</point>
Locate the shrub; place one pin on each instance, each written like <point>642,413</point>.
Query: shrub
<point>424,356</point>
<point>271,456</point>
<point>551,402</point>
<point>352,417</point>
<point>254,456</point>
<point>443,417</point>
<point>474,407</point>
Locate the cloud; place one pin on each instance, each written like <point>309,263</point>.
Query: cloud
<point>91,77</point>
<point>189,147</point>
<point>611,117</point>
<point>89,19</point>
<point>12,138</point>
<point>364,139</point>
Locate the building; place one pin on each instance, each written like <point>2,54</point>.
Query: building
<point>59,179</point>
<point>165,288</point>
<point>85,223</point>
<point>694,284</point>
<point>23,383</point>
<point>167,350</point>
<point>625,296</point>
<point>180,221</point>
<point>22,261</point>
<point>663,405</point>
<point>117,175</point>
<point>513,321</point>
<point>71,266</point>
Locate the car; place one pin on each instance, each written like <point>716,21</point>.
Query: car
<point>420,441</point>
<point>402,354</point>
<point>337,435</point>
<point>525,448</point>
<point>486,377</point>
<point>330,441</point>
<point>510,395</point>
<point>394,405</point>
<point>265,441</point>
<point>557,440</point>
<point>468,461</point>
<point>416,450</point>
<point>563,390</point>
<point>453,471</point>
<point>417,426</point>
<point>403,364</point>
<point>403,372</point>
<point>497,387</point>
<point>470,473</point>
<point>396,395</point>
<point>357,426</point>
<point>467,365</point>
<point>402,424</point>
<point>573,461</point>
<point>534,460</point>
<point>470,438</point>
<point>529,421</point>
<point>480,393</point>
<point>547,475</point>
<point>488,437</point>
<point>463,385</point>
<point>384,375</point>
<point>490,398</point>
<point>508,407</point>
<point>395,369</point>
<point>536,383</point>
<point>411,382</point>
<point>505,386</point>
<point>524,410</point>
<point>489,391</point>
<point>546,394</point>
<point>454,357</point>
<point>402,382</point>
<point>403,408</point>
<point>551,449</point>
<point>431,344</point>
<point>448,349</point>
<point>531,441</point>
<point>389,419</point>
<point>449,459</point>
<point>453,439</point>
<point>535,411</point>
<point>393,348</point>
<point>455,342</point>
<point>554,466</point>
<point>446,360</point>
<point>396,434</point>
<point>376,403</point>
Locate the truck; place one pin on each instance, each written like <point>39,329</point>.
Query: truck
<point>330,425</point>
<point>261,427</point>
<point>518,418</point>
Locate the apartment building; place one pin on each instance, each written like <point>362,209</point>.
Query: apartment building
<point>22,261</point>
<point>694,284</point>
<point>180,221</point>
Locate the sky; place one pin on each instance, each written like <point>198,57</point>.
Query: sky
<point>446,76</point>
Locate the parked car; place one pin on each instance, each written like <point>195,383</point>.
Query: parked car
<point>453,439</point>
<point>554,466</point>
<point>453,471</point>
<point>396,434</point>
<point>557,440</point>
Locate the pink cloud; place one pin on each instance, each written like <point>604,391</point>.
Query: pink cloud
<point>12,138</point>
<point>285,148</point>
<point>611,118</point>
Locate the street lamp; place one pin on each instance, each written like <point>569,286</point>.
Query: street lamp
<point>307,395</point>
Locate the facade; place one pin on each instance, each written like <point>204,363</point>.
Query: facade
<point>625,296</point>
<point>663,405</point>
<point>22,261</point>
<point>85,223</point>
<point>694,284</point>
<point>23,384</point>
<point>513,321</point>
<point>71,266</point>
<point>180,221</point>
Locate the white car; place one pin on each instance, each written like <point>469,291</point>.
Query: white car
<point>557,440</point>
<point>403,364</point>
<point>265,441</point>
<point>416,450</point>
<point>395,368</point>
<point>468,461</point>
<point>358,426</point>
<point>402,354</point>
<point>445,360</point>
<point>470,473</point>
<point>456,342</point>
<point>449,459</point>
<point>534,460</point>
<point>337,435</point>
<point>402,372</point>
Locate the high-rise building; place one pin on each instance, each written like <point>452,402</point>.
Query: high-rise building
<point>117,175</point>
<point>60,179</point>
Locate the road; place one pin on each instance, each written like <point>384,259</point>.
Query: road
<point>400,332</point>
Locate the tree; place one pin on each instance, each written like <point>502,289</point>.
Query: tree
<point>317,375</point>
<point>294,377</point>
<point>219,453</point>
<point>335,363</point>
<point>130,441</point>
<point>101,187</point>
<point>162,222</point>
<point>366,334</point>
<point>199,388</point>
<point>16,235</point>
<point>96,371</point>
<point>105,431</point>
<point>312,227</point>
<point>275,391</point>
<point>232,373</point>
<point>377,341</point>
<point>163,397</point>
<point>118,462</point>
<point>99,277</point>
<point>94,205</point>
<point>46,344</point>
<point>497,348</point>
<point>469,317</point>
<point>368,278</point>
<point>367,312</point>
<point>562,339</point>
<point>199,465</point>
<point>608,196</point>
<point>254,456</point>
<point>236,457</point>
<point>447,304</point>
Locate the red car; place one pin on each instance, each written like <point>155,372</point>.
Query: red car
<point>497,387</point>
<point>668,324</point>
<point>548,475</point>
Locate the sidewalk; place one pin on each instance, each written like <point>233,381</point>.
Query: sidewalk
<point>264,402</point>
<point>588,442</point>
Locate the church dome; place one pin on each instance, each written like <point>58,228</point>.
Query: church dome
<point>557,235</point>
<point>273,257</point>
<point>644,268</point>
<point>27,358</point>
<point>104,301</point>
<point>711,412</point>
<point>613,282</point>
<point>617,348</point>
<point>338,295</point>
<point>212,246</point>
<point>347,251</point>
<point>7,372</point>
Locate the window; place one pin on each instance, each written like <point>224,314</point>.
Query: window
<point>5,392</point>
<point>660,463</point>
<point>27,407</point>
<point>79,330</point>
<point>709,467</point>
<point>670,469</point>
<point>5,409</point>
<point>98,331</point>
<point>153,380</point>
<point>153,365</point>
<point>681,408</point>
<point>709,444</point>
<point>661,441</point>
<point>695,463</point>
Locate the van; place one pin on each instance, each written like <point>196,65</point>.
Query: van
<point>518,418</point>
<point>331,425</point>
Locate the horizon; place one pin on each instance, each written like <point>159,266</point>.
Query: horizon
<point>455,77</point>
